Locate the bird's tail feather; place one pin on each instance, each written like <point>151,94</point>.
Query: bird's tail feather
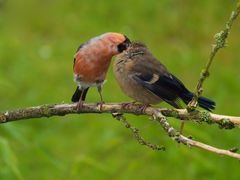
<point>77,94</point>
<point>203,102</point>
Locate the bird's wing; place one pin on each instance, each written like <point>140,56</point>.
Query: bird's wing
<point>163,86</point>
<point>80,47</point>
<point>152,75</point>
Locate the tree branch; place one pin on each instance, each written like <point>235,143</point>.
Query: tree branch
<point>159,114</point>
<point>49,110</point>
<point>187,141</point>
<point>220,42</point>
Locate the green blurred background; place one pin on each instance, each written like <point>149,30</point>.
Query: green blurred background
<point>37,43</point>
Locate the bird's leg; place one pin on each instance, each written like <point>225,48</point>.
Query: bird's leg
<point>101,98</point>
<point>80,102</point>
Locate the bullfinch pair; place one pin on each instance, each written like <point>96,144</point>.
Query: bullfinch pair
<point>140,75</point>
<point>91,63</point>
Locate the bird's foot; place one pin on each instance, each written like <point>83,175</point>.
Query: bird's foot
<point>126,105</point>
<point>100,104</point>
<point>143,108</point>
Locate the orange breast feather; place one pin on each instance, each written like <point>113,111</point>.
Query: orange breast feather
<point>91,68</point>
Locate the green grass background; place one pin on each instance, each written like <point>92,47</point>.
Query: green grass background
<point>37,43</point>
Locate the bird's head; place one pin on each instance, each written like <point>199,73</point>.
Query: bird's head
<point>135,48</point>
<point>117,41</point>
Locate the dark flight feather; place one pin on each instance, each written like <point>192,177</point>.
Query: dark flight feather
<point>77,94</point>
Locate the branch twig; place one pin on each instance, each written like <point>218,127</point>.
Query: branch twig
<point>187,141</point>
<point>220,42</point>
<point>136,133</point>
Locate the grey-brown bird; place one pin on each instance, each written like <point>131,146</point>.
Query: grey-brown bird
<point>143,78</point>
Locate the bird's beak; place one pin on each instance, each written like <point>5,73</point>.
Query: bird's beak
<point>124,45</point>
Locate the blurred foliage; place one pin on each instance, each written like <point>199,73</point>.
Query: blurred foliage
<point>37,43</point>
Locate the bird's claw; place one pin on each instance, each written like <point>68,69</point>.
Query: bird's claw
<point>126,105</point>
<point>143,108</point>
<point>79,105</point>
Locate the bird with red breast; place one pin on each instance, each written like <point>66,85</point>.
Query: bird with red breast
<point>91,63</point>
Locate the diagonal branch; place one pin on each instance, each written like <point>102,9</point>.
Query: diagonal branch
<point>220,42</point>
<point>187,141</point>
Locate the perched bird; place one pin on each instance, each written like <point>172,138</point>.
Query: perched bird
<point>142,77</point>
<point>92,60</point>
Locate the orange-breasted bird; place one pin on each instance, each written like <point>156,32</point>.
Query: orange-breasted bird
<point>92,60</point>
<point>145,79</point>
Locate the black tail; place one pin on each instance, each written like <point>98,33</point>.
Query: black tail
<point>203,102</point>
<point>76,96</point>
